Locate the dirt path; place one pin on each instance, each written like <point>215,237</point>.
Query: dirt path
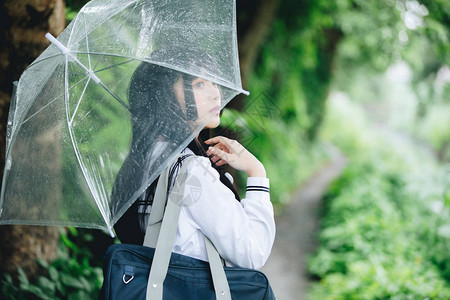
<point>296,229</point>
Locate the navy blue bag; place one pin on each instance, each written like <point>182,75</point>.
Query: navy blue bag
<point>127,269</point>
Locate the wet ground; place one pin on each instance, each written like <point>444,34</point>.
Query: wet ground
<point>296,231</point>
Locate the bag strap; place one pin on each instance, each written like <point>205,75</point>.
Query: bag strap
<point>164,235</point>
<point>220,280</point>
<point>157,211</point>
<point>167,232</point>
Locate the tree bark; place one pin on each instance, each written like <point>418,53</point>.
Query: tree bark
<point>23,26</point>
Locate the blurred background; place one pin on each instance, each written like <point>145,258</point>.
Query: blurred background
<point>363,82</point>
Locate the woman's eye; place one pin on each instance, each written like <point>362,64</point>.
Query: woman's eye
<point>199,84</point>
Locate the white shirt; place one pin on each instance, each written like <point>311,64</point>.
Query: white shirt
<point>242,232</point>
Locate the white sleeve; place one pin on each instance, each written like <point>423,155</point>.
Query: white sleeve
<point>242,232</point>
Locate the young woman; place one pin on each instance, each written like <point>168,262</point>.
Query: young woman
<point>242,231</point>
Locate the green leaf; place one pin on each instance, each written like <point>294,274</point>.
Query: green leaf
<point>71,281</point>
<point>53,274</point>
<point>79,295</point>
<point>40,293</point>
<point>48,285</point>
<point>22,278</point>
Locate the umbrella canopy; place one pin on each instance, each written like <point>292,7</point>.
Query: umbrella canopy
<point>103,110</point>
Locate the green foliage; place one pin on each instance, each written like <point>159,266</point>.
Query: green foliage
<point>385,230</point>
<point>310,37</point>
<point>435,129</point>
<point>72,8</point>
<point>371,30</point>
<point>71,276</point>
<point>385,235</point>
<point>345,125</point>
<point>295,64</point>
<point>393,101</point>
<point>380,33</point>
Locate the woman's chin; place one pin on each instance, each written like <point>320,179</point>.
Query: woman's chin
<point>213,123</point>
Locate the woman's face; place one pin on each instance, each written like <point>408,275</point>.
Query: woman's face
<point>207,100</point>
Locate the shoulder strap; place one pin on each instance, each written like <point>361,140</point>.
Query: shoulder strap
<point>220,280</point>
<point>165,236</point>
<point>158,206</point>
<point>157,211</point>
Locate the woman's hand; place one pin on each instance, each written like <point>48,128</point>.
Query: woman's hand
<point>228,151</point>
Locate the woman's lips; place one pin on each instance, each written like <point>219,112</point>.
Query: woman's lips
<point>215,109</point>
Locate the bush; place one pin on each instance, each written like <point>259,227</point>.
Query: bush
<point>385,232</point>
<point>71,276</point>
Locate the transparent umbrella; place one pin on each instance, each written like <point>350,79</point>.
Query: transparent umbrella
<point>100,113</point>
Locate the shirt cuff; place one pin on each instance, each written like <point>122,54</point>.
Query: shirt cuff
<point>257,185</point>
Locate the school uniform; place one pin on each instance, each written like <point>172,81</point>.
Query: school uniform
<point>242,232</point>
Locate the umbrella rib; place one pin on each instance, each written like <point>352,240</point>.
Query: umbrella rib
<point>97,80</point>
<point>101,195</point>
<point>101,83</point>
<point>118,10</point>
<point>75,148</point>
<point>115,65</point>
<point>26,120</point>
<point>104,37</point>
<point>38,111</point>
<point>115,96</point>
<point>120,28</point>
<point>130,59</point>
<point>74,22</point>
<point>79,101</point>
<point>89,72</point>
<point>87,46</point>
<point>43,59</point>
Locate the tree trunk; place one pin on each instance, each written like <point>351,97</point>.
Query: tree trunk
<point>23,26</point>
<point>253,37</point>
<point>255,19</point>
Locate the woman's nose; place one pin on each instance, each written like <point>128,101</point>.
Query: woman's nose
<point>214,92</point>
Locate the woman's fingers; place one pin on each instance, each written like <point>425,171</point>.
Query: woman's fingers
<point>216,152</point>
<point>227,151</point>
<point>218,162</point>
<point>215,158</point>
<point>224,144</point>
<point>214,140</point>
<point>221,163</point>
<point>219,140</point>
<point>222,147</point>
